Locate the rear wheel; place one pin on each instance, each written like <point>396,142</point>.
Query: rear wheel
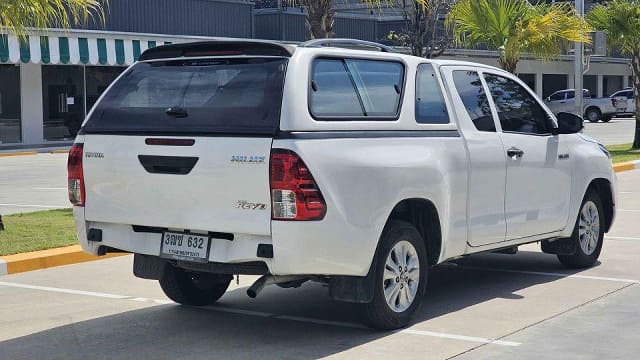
<point>588,234</point>
<point>400,277</point>
<point>593,114</point>
<point>193,288</point>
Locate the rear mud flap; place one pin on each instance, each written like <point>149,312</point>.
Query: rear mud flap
<point>148,267</point>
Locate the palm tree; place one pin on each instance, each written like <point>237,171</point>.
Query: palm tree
<point>17,16</point>
<point>320,14</point>
<point>620,20</point>
<point>513,27</point>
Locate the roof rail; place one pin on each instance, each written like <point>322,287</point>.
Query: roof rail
<point>346,43</point>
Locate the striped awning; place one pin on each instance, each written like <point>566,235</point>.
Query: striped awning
<point>74,50</point>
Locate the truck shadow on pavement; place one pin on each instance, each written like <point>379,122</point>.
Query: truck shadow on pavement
<point>172,331</point>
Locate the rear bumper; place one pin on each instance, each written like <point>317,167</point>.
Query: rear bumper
<point>242,249</point>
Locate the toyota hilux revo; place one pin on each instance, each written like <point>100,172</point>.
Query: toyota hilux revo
<point>358,168</point>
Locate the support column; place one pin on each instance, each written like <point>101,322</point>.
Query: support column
<point>599,84</point>
<point>539,84</point>
<point>625,81</point>
<point>31,103</point>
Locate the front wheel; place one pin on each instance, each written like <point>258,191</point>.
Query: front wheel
<point>193,288</point>
<point>400,277</point>
<point>588,234</point>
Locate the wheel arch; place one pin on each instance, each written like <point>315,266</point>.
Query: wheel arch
<point>422,214</point>
<point>603,188</point>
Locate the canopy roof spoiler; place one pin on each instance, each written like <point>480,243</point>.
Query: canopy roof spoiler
<point>218,48</point>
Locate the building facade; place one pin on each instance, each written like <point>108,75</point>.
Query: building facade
<point>50,81</point>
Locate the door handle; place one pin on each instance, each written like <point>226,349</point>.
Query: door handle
<point>515,153</point>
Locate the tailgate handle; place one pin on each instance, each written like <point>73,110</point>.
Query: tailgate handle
<point>173,165</point>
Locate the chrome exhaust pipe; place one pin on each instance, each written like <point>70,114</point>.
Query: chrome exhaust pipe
<point>265,280</point>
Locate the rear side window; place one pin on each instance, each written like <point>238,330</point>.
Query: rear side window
<point>356,89</point>
<point>194,96</point>
<point>475,100</point>
<point>430,105</point>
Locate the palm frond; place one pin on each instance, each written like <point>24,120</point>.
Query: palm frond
<point>17,16</point>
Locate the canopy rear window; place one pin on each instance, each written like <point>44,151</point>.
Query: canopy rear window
<point>211,96</point>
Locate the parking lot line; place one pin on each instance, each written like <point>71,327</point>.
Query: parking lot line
<point>473,339</point>
<point>32,206</point>
<point>561,275</point>
<point>621,238</point>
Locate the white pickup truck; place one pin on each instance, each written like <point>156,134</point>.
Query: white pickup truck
<point>595,109</point>
<point>360,169</point>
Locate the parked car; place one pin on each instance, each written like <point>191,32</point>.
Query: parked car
<point>627,93</point>
<point>353,168</point>
<point>594,108</point>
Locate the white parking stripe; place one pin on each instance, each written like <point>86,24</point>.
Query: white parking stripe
<point>64,291</point>
<point>50,188</point>
<point>460,337</point>
<point>3,267</point>
<point>621,238</point>
<point>628,210</point>
<point>261,314</point>
<point>540,273</point>
<point>33,206</point>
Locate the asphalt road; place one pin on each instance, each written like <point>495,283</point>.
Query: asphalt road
<point>616,131</point>
<point>488,306</point>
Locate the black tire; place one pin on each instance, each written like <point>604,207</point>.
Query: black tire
<point>192,288</point>
<point>582,259</point>
<point>606,119</point>
<point>378,314</point>
<point>593,114</point>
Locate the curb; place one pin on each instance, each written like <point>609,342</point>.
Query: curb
<point>626,166</point>
<point>13,264</point>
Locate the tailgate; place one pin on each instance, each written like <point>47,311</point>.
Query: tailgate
<point>218,184</point>
<point>185,144</point>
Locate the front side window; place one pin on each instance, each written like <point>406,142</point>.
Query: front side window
<point>430,105</point>
<point>475,101</point>
<point>350,88</point>
<point>557,96</point>
<point>517,109</point>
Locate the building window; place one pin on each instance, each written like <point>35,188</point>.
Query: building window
<point>10,129</point>
<point>552,83</point>
<point>63,101</point>
<point>98,80</point>
<point>529,79</point>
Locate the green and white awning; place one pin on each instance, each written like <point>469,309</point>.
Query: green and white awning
<point>85,48</point>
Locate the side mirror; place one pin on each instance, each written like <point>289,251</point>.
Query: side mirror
<point>568,123</point>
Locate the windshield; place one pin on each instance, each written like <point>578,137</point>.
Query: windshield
<point>194,96</point>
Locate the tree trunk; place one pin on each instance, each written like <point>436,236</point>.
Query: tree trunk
<point>509,65</point>
<point>319,18</point>
<point>635,68</point>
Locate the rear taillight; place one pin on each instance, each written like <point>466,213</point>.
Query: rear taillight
<point>294,193</point>
<point>75,177</point>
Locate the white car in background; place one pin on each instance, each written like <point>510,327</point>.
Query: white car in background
<point>356,169</point>
<point>594,108</point>
<point>631,103</point>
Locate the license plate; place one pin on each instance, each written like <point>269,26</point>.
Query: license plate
<point>190,247</point>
